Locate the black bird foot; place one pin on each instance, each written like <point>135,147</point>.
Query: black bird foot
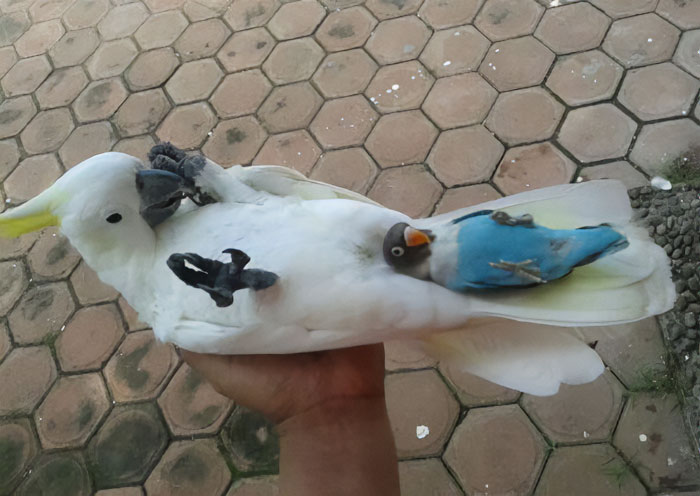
<point>169,158</point>
<point>220,279</point>
<point>504,219</point>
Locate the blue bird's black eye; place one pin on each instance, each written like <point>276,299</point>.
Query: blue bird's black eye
<point>114,218</point>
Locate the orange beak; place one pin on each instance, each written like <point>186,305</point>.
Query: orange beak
<point>414,237</point>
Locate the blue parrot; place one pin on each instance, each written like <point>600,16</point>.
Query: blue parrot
<point>491,249</point>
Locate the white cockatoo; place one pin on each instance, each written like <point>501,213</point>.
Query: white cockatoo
<point>260,259</point>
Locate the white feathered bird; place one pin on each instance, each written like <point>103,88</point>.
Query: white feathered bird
<point>335,288</point>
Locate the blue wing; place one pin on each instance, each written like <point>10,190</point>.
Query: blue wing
<point>495,250</point>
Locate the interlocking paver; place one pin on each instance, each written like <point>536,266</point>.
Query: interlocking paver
<point>533,166</point>
<point>296,149</point>
<point>411,190</point>
<point>684,14</point>
<point>19,448</point>
<point>137,147</point>
<point>12,26</point>
<point>573,28</point>
<point>5,343</point>
<point>71,411</point>
<point>69,468</point>
<point>122,21</point>
<point>111,58</point>
<point>518,63</point>
<point>246,49</point>
<point>525,116</point>
<point>585,77</point>
<point>440,14</point>
<point>44,10</point>
<point>74,47</point>
<point>343,122</point>
<point>189,467</point>
<point>688,52</point>
<point>245,14</point>
<point>161,5</point>
<point>660,144</point>
<point>39,38</point>
<point>131,317</point>
<point>122,491</point>
<point>100,100</point>
<point>47,131</point>
<point>459,100</point>
<point>160,30</point>
<point>429,476</point>
<point>399,87</point>
<point>386,9</point>
<point>622,171</point>
<point>641,40</point>
<point>141,112</point>
<point>401,138</point>
<point>503,19</point>
<point>240,93</point>
<point>344,73</point>
<point>235,141</point>
<point>201,39</point>
<point>88,287</point>
<point>151,69</point>
<point>350,168</point>
<point>86,141</point>
<point>251,441</point>
<point>194,81</point>
<point>85,13</point>
<point>296,19</point>
<point>453,51</point>
<point>187,126</point>
<point>15,113</point>
<point>11,248</point>
<point>496,449</point>
<point>61,87</point>
<point>41,313</point>
<point>25,375</point>
<point>8,57</point>
<point>465,156</point>
<point>9,157</point>
<point>290,107</point>
<point>596,133</point>
<point>52,256</point>
<point>26,76</point>
<point>406,355</point>
<point>398,40</point>
<point>293,60</point>
<point>466,196</point>
<point>32,176</point>
<point>345,29</point>
<point>473,391</point>
<point>625,8</point>
<point>254,486</point>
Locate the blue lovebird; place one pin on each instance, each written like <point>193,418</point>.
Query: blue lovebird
<point>492,249</point>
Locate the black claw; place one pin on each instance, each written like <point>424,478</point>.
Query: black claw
<point>166,149</point>
<point>220,280</point>
<point>505,219</point>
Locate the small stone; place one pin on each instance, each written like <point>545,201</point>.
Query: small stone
<point>677,253</point>
<point>689,320</point>
<point>694,284</point>
<point>661,229</point>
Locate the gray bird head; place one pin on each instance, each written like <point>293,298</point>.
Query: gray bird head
<point>407,249</point>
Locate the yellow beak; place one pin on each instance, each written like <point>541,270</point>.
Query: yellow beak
<point>33,215</point>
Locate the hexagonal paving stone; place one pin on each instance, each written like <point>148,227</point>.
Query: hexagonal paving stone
<point>296,19</point>
<point>45,10</point>
<point>89,338</point>
<point>345,29</point>
<point>9,248</point>
<point>344,73</point>
<point>399,87</point>
<point>141,112</point>
<point>32,176</point>
<point>194,81</point>
<point>89,288</point>
<point>252,441</point>
<point>160,30</point>
<point>245,14</point>
<point>47,131</point>
<point>71,411</point>
<point>122,491</point>
<point>136,147</point>
<point>191,406</point>
<point>440,14</point>
<point>514,64</point>
<point>235,141</point>
<point>641,40</point>
<point>8,57</point>
<point>161,5</point>
<point>496,449</point>
<point>41,313</point>
<point>404,355</point>
<point>74,47</point>
<point>187,126</point>
<point>257,486</point>
<point>343,122</point>
<point>9,157</point>
<point>189,467</point>
<point>85,13</point>
<point>351,168</point>
<point>52,256</point>
<point>15,113</point>
<point>39,38</point>
<point>111,58</point>
<point>688,53</point>
<point>621,171</point>
<point>61,87</point>
<point>398,40</point>
<point>597,133</point>
<point>62,474</point>
<point>473,391</point>
<point>240,93</point>
<point>533,166</point>
<point>466,196</point>
<point>453,51</point>
<point>385,9</point>
<point>290,107</point>
<point>595,469</point>
<point>19,447</point>
<point>685,15</point>
<point>26,76</point>
<point>585,77</point>
<point>100,100</point>
<point>131,316</point>
<point>25,376</point>
<point>140,368</point>
<point>14,282</point>
<point>524,116</point>
<point>411,190</point>
<point>87,141</point>
<point>151,69</point>
<point>658,91</point>
<point>5,341</point>
<point>659,144</point>
<point>297,150</point>
<point>573,28</point>
<point>503,19</point>
<point>246,49</point>
<point>578,414</point>
<point>122,21</point>
<point>459,100</point>
<point>421,477</point>
<point>12,26</point>
<point>403,138</point>
<point>201,39</point>
<point>127,446</point>
<point>466,155</point>
<point>293,61</point>
<point>422,412</point>
<point>652,435</point>
<point>625,8</point>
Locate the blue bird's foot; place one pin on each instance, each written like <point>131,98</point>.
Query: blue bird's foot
<point>520,269</point>
<point>220,280</point>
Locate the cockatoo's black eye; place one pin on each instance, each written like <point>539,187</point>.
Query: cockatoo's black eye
<point>397,251</point>
<point>114,218</point>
